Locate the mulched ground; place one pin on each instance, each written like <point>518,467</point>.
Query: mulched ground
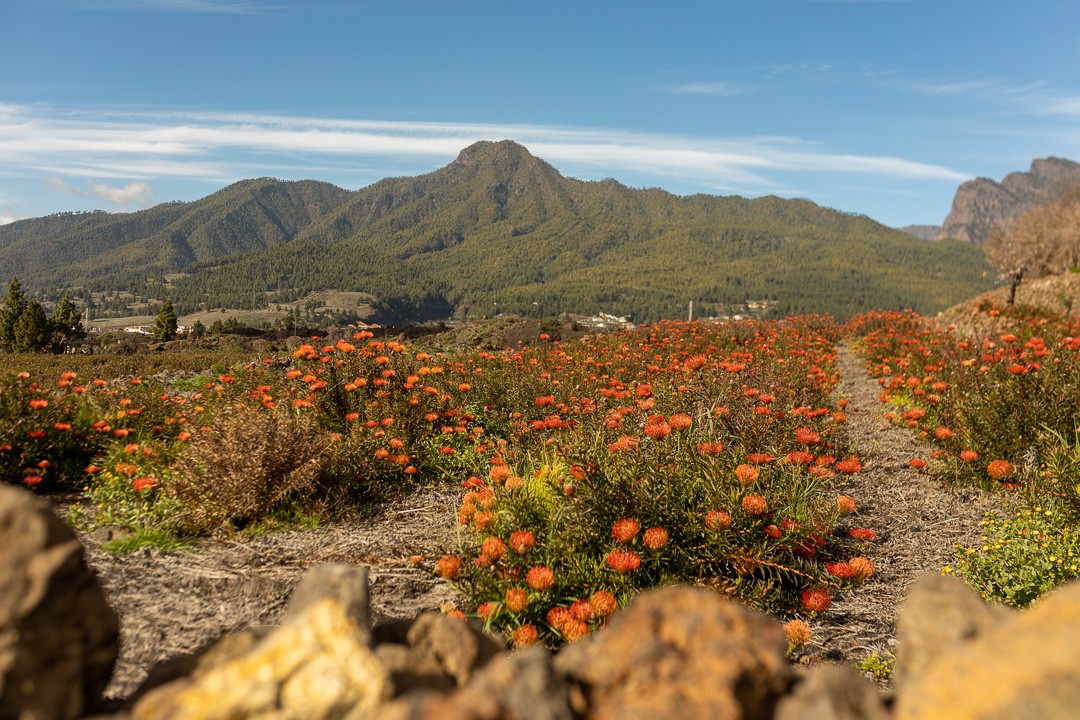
<point>919,523</point>
<point>174,603</point>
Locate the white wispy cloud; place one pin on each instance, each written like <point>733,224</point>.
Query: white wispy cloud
<point>722,88</point>
<point>55,183</point>
<point>8,216</point>
<point>121,157</point>
<point>137,193</point>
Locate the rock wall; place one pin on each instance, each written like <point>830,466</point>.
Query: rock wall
<point>981,204</point>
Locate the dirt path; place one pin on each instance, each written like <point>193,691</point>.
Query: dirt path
<point>173,603</point>
<point>919,522</point>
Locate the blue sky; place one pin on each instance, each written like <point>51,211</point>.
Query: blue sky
<point>878,107</point>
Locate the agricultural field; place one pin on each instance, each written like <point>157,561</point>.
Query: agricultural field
<point>582,471</point>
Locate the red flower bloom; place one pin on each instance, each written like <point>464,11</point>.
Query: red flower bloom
<point>516,600</point>
<point>603,603</point>
<point>574,629</point>
<point>493,548</point>
<point>143,483</point>
<point>657,429</point>
<point>582,610</point>
<point>717,520</point>
<point>655,538</point>
<point>846,504</point>
<point>862,533</point>
<point>755,505</point>
<point>557,617</point>
<point>816,599</point>
<point>841,570</point>
<point>623,561</point>
<point>746,474</point>
<point>849,465</point>
<point>525,635</point>
<point>862,568</point>
<point>522,541</point>
<point>449,567</point>
<point>806,436</point>
<point>680,421</point>
<point>800,457</point>
<point>1000,469</point>
<point>624,530</point>
<point>540,578</point>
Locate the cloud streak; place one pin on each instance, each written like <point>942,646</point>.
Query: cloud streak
<point>211,7</point>
<point>219,147</point>
<point>723,89</point>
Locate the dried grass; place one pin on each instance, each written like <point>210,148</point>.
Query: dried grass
<point>251,462</point>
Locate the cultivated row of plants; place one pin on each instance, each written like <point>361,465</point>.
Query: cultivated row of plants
<point>680,452</point>
<point>998,407</point>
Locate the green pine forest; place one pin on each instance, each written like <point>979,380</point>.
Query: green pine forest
<point>497,230</point>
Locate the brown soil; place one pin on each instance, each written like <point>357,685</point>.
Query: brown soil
<point>173,603</point>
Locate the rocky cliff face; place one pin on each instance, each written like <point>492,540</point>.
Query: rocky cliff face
<point>981,204</point>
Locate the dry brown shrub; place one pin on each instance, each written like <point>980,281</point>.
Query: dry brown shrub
<point>249,463</point>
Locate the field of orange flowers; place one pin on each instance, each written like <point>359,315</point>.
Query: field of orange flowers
<point>678,452</point>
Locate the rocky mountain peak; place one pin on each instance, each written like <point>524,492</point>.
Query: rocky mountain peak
<point>981,204</point>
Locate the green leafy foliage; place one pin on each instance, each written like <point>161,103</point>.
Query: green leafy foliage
<point>1022,557</point>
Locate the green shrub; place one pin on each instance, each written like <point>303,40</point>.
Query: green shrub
<point>1022,556</point>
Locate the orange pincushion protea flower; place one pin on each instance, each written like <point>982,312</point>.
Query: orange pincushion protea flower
<point>717,520</point>
<point>516,600</point>
<point>657,427</point>
<point>816,599</point>
<point>841,570</point>
<point>969,456</point>
<point>557,617</point>
<point>449,567</point>
<point>846,504</point>
<point>1000,469</point>
<point>540,578</point>
<point>680,421</point>
<point>806,436</point>
<point>623,561</point>
<point>862,567</point>
<point>574,629</point>
<point>493,548</point>
<point>755,505</point>
<point>525,635</point>
<point>655,538</point>
<point>848,465</point>
<point>746,474</point>
<point>603,603</point>
<point>624,530</point>
<point>862,533</point>
<point>797,633</point>
<point>582,610</point>
<point>521,541</point>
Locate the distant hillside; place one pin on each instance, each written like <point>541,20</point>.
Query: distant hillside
<point>981,204</point>
<point>498,230</point>
<point>923,232</point>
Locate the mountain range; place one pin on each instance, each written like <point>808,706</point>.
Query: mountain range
<point>981,204</point>
<point>496,230</point>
